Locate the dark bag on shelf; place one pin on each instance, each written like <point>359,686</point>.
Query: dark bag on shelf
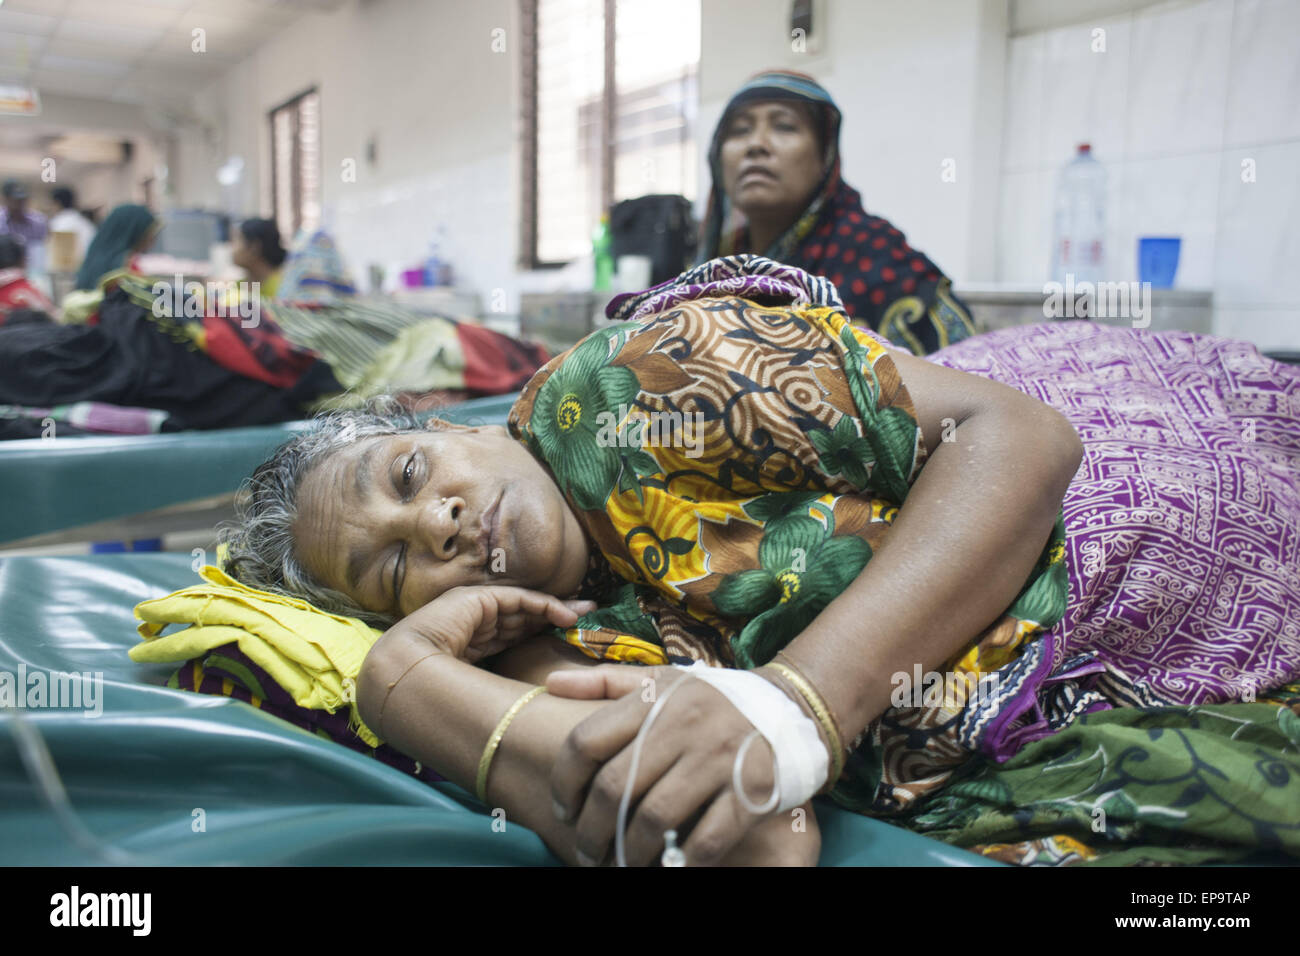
<point>660,227</point>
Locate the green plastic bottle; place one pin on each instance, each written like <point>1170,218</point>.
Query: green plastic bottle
<point>602,254</point>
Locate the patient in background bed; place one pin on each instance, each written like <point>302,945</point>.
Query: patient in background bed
<point>20,301</point>
<point>1024,532</point>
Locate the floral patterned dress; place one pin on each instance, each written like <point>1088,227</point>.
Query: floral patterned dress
<point>736,461</point>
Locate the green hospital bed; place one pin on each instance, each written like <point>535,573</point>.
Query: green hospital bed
<point>51,485</point>
<point>167,777</point>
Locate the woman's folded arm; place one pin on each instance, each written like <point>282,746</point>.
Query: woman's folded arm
<point>441,710</point>
<point>974,523</point>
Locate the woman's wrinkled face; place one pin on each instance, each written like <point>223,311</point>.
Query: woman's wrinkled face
<point>394,521</point>
<point>771,162</point>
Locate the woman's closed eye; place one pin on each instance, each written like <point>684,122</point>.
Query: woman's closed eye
<point>399,577</point>
<point>405,486</point>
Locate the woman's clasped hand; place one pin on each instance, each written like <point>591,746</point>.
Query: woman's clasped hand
<point>686,770</point>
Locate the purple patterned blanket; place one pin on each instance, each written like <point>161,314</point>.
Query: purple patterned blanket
<point>1183,522</point>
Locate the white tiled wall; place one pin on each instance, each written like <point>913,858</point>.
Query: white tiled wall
<point>1181,96</point>
<point>391,224</point>
<point>437,102</point>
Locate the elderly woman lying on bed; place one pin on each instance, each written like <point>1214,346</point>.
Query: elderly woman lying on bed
<point>739,477</point>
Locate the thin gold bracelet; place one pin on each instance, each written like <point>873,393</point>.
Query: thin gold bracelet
<point>485,762</point>
<point>379,730</point>
<point>835,724</point>
<point>823,714</point>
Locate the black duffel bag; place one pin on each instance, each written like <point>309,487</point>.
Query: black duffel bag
<point>660,227</point>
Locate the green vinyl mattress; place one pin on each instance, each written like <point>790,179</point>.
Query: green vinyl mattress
<point>170,777</point>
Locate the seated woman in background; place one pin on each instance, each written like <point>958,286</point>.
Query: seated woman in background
<point>775,159</point>
<point>316,272</point>
<point>17,294</point>
<point>768,487</point>
<point>257,250</point>
<point>128,231</point>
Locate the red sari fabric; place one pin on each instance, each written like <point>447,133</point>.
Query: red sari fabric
<point>17,293</point>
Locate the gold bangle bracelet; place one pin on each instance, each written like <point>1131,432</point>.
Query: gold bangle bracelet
<point>830,714</point>
<point>485,762</point>
<point>823,714</point>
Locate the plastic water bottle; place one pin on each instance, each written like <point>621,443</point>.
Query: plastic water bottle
<point>602,252</point>
<point>445,273</point>
<point>433,263</point>
<point>1078,246</point>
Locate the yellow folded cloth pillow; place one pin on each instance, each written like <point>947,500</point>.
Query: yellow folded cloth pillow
<point>314,656</point>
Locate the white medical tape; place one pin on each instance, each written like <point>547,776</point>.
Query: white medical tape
<point>802,764</point>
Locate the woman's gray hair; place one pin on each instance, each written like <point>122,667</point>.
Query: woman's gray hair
<point>261,548</point>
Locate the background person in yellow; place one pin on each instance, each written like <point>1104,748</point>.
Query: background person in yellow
<point>256,248</point>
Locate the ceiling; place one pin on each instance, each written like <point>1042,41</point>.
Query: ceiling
<point>134,51</point>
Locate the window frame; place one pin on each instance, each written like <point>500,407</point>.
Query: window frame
<point>295,166</point>
<point>528,16</point>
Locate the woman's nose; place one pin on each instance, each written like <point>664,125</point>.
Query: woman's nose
<point>439,526</point>
<point>757,142</point>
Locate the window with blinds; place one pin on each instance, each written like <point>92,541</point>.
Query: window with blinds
<point>610,98</point>
<point>296,164</point>
<point>656,58</point>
